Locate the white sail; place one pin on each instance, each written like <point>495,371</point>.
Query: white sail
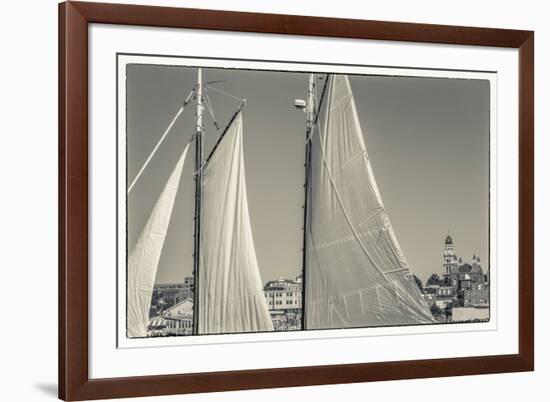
<point>144,258</point>
<point>230,294</point>
<point>356,273</point>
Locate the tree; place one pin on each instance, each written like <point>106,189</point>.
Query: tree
<point>418,283</point>
<point>434,279</point>
<point>436,311</point>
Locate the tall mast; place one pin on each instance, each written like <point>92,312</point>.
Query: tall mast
<point>199,155</point>
<point>310,121</point>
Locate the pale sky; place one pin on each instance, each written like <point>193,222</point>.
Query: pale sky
<point>428,139</point>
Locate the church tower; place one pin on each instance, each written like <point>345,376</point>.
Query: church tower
<point>449,257</point>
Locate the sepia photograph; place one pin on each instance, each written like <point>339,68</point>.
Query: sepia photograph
<point>288,198</point>
<point>260,200</point>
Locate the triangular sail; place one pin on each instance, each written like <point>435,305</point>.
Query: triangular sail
<point>230,288</point>
<point>356,273</point>
<point>144,258</point>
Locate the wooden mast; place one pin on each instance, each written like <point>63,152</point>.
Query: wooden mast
<point>310,117</point>
<point>199,154</point>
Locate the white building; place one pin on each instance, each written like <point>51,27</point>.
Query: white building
<point>466,314</point>
<point>176,320</point>
<point>284,301</point>
<point>284,294</point>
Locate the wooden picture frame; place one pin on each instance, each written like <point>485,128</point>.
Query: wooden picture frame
<point>74,381</point>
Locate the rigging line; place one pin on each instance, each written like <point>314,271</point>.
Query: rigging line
<point>215,82</point>
<point>210,109</point>
<point>178,113</point>
<point>223,92</point>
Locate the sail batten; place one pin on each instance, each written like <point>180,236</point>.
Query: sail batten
<point>144,258</point>
<point>356,273</point>
<point>230,291</point>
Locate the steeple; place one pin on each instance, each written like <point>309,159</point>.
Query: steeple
<point>449,256</point>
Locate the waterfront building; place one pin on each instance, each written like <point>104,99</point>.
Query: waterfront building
<point>284,301</point>
<point>180,318</point>
<point>283,294</point>
<point>166,295</point>
<point>176,320</point>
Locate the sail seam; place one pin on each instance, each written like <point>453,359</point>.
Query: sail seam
<point>397,270</point>
<point>374,215</point>
<point>352,159</point>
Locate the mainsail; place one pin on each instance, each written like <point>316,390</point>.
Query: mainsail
<point>230,288</point>
<point>356,273</point>
<point>144,258</point>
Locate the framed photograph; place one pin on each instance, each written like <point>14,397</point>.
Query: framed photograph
<point>260,200</point>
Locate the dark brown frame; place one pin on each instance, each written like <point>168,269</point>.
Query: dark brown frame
<point>74,17</point>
